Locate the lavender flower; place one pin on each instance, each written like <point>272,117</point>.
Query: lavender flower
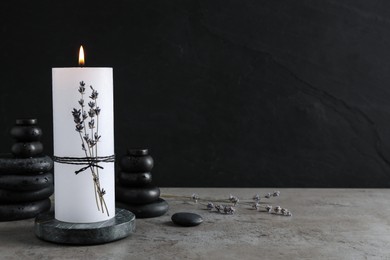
<point>94,94</point>
<point>81,102</point>
<point>195,197</point>
<point>91,124</point>
<point>97,111</point>
<point>277,209</point>
<point>89,141</point>
<point>91,113</point>
<point>219,208</point>
<point>82,87</point>
<point>85,115</point>
<point>228,210</point>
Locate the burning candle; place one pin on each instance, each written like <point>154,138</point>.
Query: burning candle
<point>83,132</point>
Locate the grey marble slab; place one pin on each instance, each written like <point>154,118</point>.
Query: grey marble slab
<point>326,224</point>
<point>50,229</point>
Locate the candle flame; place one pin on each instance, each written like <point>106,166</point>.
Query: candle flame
<point>81,56</point>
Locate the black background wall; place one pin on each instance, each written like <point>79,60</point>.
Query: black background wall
<point>224,93</point>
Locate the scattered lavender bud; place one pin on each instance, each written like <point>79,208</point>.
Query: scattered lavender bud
<point>268,195</point>
<point>277,209</point>
<point>195,197</point>
<point>234,199</point>
<point>276,193</point>
<point>228,210</point>
<point>256,198</point>
<point>268,208</point>
<point>210,206</point>
<point>219,208</point>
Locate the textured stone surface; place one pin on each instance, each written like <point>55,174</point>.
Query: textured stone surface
<point>28,149</point>
<point>137,195</point>
<point>23,210</point>
<point>11,196</point>
<point>26,133</point>
<point>52,230</point>
<point>135,164</point>
<point>21,182</point>
<point>134,179</point>
<point>186,219</point>
<point>10,165</point>
<point>151,210</point>
<point>326,224</point>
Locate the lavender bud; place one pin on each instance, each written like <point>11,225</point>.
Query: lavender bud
<point>210,206</point>
<point>256,198</point>
<point>195,197</point>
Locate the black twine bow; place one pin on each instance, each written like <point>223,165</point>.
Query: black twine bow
<point>88,161</point>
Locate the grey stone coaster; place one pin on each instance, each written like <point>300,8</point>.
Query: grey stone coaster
<point>50,229</point>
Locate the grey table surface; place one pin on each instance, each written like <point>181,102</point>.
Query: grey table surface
<point>326,224</point>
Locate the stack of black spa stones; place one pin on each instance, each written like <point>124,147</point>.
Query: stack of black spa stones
<point>26,180</point>
<point>134,189</point>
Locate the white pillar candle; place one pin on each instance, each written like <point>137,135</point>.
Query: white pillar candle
<point>81,198</point>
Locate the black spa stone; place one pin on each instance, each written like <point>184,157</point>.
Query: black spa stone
<point>137,195</point>
<point>20,182</point>
<point>28,149</point>
<point>150,210</point>
<point>26,133</point>
<point>10,197</point>
<point>134,179</point>
<point>136,163</point>
<point>186,219</point>
<point>23,210</point>
<point>11,165</point>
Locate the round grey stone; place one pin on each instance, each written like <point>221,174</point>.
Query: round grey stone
<point>186,219</point>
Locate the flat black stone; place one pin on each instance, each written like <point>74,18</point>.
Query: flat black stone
<point>10,165</point>
<point>23,210</point>
<point>186,219</point>
<point>136,164</point>
<point>137,195</point>
<point>52,230</point>
<point>26,133</point>
<point>27,121</point>
<point>150,210</point>
<point>26,150</point>
<point>10,196</point>
<point>134,179</point>
<point>19,182</point>
<point>137,152</point>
